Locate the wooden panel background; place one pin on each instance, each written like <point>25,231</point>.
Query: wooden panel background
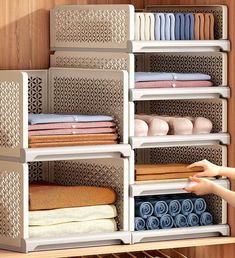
<point>24,44</point>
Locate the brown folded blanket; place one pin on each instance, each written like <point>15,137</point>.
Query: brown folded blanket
<point>163,176</point>
<point>209,26</point>
<point>46,197</point>
<point>199,26</point>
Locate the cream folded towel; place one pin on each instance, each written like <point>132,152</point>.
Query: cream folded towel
<point>57,216</point>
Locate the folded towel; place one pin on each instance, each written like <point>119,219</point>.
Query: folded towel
<point>172,84</point>
<point>137,26</point>
<point>199,26</point>
<point>141,128</point>
<point>160,76</point>
<point>58,216</point>
<point>160,26</point>
<point>163,176</point>
<point>139,224</point>
<point>181,221</point>
<point>189,26</point>
<point>174,207</point>
<point>159,208</point>
<point>170,26</point>
<point>152,223</point>
<point>193,220</point>
<point>186,206</point>
<point>209,26</point>
<point>64,229</point>
<point>142,26</point>
<point>149,26</point>
<point>199,205</point>
<point>166,221</point>
<point>46,197</point>
<point>201,125</point>
<point>63,118</point>
<point>143,209</point>
<point>179,26</point>
<point>206,219</point>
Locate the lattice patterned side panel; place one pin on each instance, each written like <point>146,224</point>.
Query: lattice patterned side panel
<point>219,13</point>
<point>214,64</point>
<point>38,171</point>
<point>91,26</point>
<point>109,173</point>
<point>215,207</point>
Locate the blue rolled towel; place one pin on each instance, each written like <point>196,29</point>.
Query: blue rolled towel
<point>181,221</point>
<point>193,220</point>
<point>206,219</point>
<point>199,205</point>
<point>160,208</point>
<point>186,206</point>
<point>174,207</point>
<point>152,222</point>
<point>139,224</point>
<point>189,26</point>
<point>143,209</point>
<point>166,221</point>
<point>179,26</point>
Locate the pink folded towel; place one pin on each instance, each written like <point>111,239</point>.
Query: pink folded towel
<point>201,125</point>
<point>141,128</point>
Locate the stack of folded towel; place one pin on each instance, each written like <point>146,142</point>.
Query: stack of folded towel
<point>155,212</point>
<point>57,210</point>
<point>171,80</point>
<point>174,26</point>
<point>154,125</point>
<point>54,130</point>
<point>144,172</point>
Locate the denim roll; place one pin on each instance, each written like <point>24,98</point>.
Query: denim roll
<point>174,207</point>
<point>186,206</point>
<point>139,224</point>
<point>166,221</point>
<point>152,222</point>
<point>181,221</point>
<point>193,220</point>
<point>143,209</point>
<point>199,205</point>
<point>160,208</point>
<point>206,219</point>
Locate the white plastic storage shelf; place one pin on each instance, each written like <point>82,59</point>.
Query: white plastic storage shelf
<point>216,206</point>
<point>14,232</point>
<point>111,27</point>
<point>67,91</point>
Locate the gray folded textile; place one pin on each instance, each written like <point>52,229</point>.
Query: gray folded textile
<point>179,26</point>
<point>193,220</point>
<point>181,221</point>
<point>63,118</point>
<point>152,223</point>
<point>169,26</point>
<point>189,26</point>
<point>143,209</point>
<point>206,219</point>
<point>160,76</point>
<point>139,224</point>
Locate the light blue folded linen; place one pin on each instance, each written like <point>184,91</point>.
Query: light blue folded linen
<point>157,27</point>
<point>166,221</point>
<point>193,220</point>
<point>143,209</point>
<point>169,26</point>
<point>206,219</point>
<point>160,26</point>
<point>63,118</point>
<point>160,207</point>
<point>181,221</point>
<point>139,224</point>
<point>199,205</point>
<point>189,26</point>
<point>179,26</point>
<point>186,206</point>
<point>152,223</point>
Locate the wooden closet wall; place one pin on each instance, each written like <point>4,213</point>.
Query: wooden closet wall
<point>24,44</point>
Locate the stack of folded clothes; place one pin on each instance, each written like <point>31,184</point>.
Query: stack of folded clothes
<point>56,210</point>
<point>161,212</point>
<point>174,26</point>
<point>154,125</point>
<point>145,172</point>
<point>54,130</point>
<point>171,80</point>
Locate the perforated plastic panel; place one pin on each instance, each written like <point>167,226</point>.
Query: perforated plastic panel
<point>38,171</point>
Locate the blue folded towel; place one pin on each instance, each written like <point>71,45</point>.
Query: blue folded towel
<point>160,208</point>
<point>181,221</point>
<point>139,224</point>
<point>143,209</point>
<point>193,220</point>
<point>174,207</point>
<point>189,26</point>
<point>206,219</point>
<point>179,26</point>
<point>157,27</point>
<point>166,221</point>
<point>152,222</point>
<point>199,205</point>
<point>186,206</point>
<point>62,118</point>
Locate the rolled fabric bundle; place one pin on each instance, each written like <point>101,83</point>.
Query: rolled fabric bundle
<point>199,205</point>
<point>137,26</point>
<point>193,220</point>
<point>181,221</point>
<point>206,219</point>
<point>139,224</point>
<point>174,207</point>
<point>141,128</point>
<point>199,26</point>
<point>186,206</point>
<point>160,207</point>
<point>152,223</point>
<point>209,26</point>
<point>189,26</point>
<point>166,221</point>
<point>202,125</point>
<point>179,26</point>
<point>143,209</point>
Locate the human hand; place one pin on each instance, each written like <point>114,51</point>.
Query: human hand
<point>203,186</point>
<point>210,169</point>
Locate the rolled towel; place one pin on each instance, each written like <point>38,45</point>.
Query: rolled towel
<point>181,221</point>
<point>139,224</point>
<point>166,221</point>
<point>201,125</point>
<point>143,209</point>
<point>186,206</point>
<point>199,205</point>
<point>170,26</point>
<point>149,26</point>
<point>160,208</point>
<point>199,26</point>
<point>141,128</point>
<point>189,26</point>
<point>137,26</point>
<point>206,219</point>
<point>193,220</point>
<point>174,207</point>
<point>179,26</point>
<point>152,223</point>
<point>209,26</point>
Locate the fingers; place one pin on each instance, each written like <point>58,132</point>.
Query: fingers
<point>197,164</point>
<point>200,174</point>
<point>195,179</point>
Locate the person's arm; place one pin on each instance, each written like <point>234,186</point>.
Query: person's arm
<point>211,169</point>
<point>205,186</point>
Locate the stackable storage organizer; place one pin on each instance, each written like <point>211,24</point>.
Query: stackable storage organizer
<point>92,72</point>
